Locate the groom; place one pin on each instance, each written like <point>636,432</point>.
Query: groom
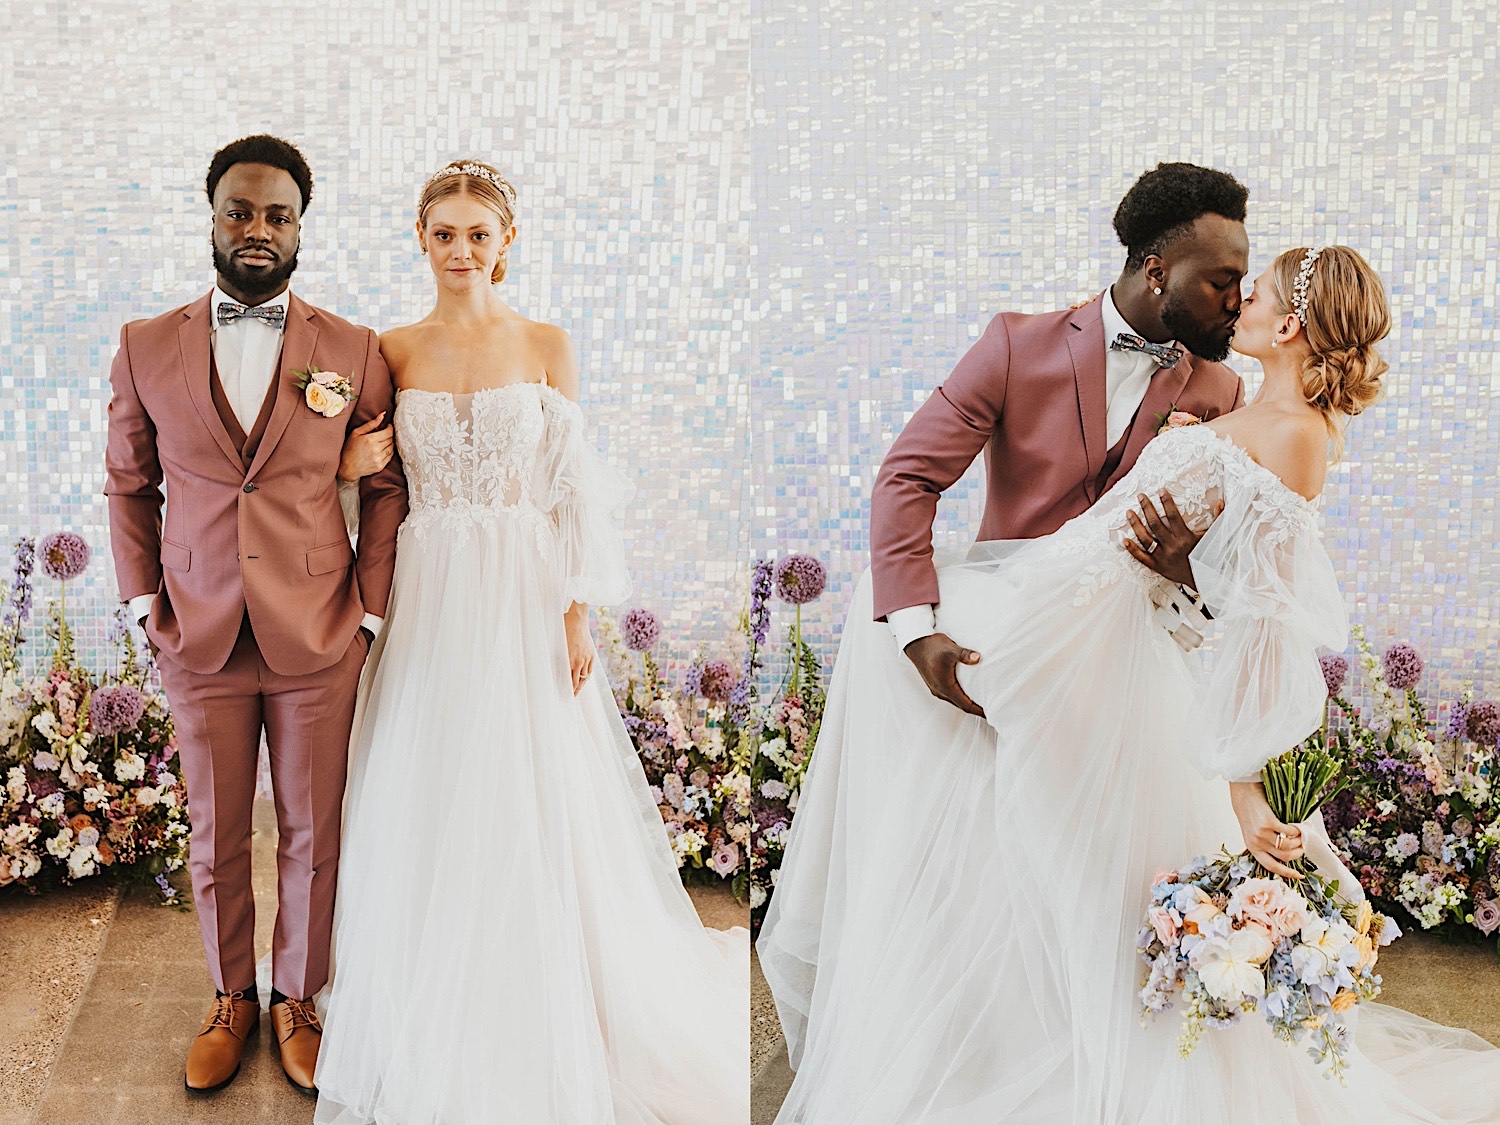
<point>1062,404</point>
<point>248,585</point>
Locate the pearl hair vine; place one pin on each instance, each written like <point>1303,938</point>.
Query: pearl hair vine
<point>1304,279</point>
<point>507,189</point>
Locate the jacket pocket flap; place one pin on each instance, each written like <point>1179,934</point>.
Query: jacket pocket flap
<point>335,556</point>
<point>174,557</point>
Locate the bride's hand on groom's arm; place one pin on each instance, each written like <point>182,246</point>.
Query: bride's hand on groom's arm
<point>1272,843</point>
<point>580,645</point>
<point>367,450</point>
<point>1163,540</point>
<point>937,657</point>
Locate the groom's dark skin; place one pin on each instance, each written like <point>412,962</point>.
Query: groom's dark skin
<point>1199,275</point>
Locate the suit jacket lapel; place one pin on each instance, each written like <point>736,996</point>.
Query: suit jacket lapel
<point>1086,349</point>
<point>296,354</point>
<point>195,347</point>
<point>1161,393</point>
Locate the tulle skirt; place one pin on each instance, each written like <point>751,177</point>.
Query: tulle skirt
<point>952,938</point>
<point>513,944</point>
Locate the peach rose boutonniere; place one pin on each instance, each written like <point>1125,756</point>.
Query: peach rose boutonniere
<point>1174,419</point>
<point>324,391</point>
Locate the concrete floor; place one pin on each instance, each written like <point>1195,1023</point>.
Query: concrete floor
<point>104,990</point>
<point>1457,985</point>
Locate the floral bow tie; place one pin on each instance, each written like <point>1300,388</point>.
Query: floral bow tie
<point>274,315</point>
<point>1164,355</point>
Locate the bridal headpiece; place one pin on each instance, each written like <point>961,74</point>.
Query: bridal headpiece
<point>469,168</point>
<point>1304,279</point>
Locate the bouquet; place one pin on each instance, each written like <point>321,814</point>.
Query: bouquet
<point>1225,937</point>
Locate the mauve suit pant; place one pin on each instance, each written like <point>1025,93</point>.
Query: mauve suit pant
<point>218,720</point>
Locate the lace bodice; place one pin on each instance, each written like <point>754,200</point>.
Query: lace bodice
<point>514,454</point>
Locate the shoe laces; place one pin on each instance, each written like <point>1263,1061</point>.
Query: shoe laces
<point>223,1013</point>
<point>302,1015</point>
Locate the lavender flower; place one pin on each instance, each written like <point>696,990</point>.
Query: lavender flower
<point>18,607</point>
<point>716,681</point>
<point>760,595</point>
<point>1458,722</point>
<point>1335,670</point>
<point>800,579</point>
<point>64,555</point>
<point>115,709</point>
<point>1405,846</point>
<point>640,630</point>
<point>1483,723</point>
<point>1403,666</point>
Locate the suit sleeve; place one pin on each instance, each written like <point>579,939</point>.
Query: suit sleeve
<point>933,450</point>
<point>382,495</point>
<point>132,483</point>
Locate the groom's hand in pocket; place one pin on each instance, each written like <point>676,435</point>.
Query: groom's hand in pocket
<point>937,657</point>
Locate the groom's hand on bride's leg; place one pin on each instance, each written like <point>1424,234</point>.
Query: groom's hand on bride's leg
<point>937,657</point>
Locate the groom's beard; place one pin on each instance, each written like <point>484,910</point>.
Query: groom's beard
<point>256,285</point>
<point>1211,343</point>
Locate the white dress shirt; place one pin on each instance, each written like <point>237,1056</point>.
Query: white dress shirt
<point>247,354</point>
<point>1127,375</point>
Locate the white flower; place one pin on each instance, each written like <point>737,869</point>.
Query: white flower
<point>46,725</point>
<point>147,796</point>
<point>81,862</point>
<point>15,784</point>
<point>1386,807</point>
<point>18,835</point>
<point>61,844</point>
<point>165,779</point>
<point>168,798</point>
<point>1230,967</point>
<point>33,864</point>
<point>51,805</point>
<point>775,749</point>
<point>93,795</point>
<point>130,766</point>
<point>757,896</point>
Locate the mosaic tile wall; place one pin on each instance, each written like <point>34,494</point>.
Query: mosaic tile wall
<point>624,126</point>
<point>917,173</point>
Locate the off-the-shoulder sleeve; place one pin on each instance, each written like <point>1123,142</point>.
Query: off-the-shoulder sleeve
<point>584,495</point>
<point>1263,569</point>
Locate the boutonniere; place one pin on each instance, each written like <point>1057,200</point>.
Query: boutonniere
<point>1174,419</point>
<point>324,391</point>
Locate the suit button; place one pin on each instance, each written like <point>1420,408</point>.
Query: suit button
<point>249,488</point>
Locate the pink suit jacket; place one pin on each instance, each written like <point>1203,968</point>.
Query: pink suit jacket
<point>1030,394</point>
<point>268,537</point>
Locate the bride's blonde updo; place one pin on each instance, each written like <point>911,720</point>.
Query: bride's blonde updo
<point>484,183</point>
<point>1344,314</point>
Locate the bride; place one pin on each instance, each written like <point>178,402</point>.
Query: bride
<point>952,940</point>
<point>513,942</point>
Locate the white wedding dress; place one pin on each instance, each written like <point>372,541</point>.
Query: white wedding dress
<point>952,938</point>
<point>513,945</point>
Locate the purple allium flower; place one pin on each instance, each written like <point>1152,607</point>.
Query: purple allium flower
<point>1483,723</point>
<point>1335,669</point>
<point>800,579</point>
<point>716,681</point>
<point>115,709</point>
<point>1487,916</point>
<point>1403,666</point>
<point>640,629</point>
<point>64,555</point>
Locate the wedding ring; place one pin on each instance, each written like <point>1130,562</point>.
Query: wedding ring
<point>1280,840</point>
<point>1155,543</point>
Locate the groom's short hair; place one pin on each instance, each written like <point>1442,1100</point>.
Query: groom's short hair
<point>1164,203</point>
<point>261,149</point>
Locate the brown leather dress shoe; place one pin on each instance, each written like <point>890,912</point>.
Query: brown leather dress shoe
<point>298,1036</point>
<point>214,1058</point>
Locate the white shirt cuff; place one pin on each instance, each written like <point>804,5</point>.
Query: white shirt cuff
<point>912,624</point>
<point>373,623</point>
<point>140,606</point>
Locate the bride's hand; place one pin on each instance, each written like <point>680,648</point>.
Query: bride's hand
<point>580,645</point>
<point>367,450</point>
<point>1272,843</point>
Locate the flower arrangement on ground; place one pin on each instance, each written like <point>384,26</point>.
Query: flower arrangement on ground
<point>694,763</point>
<point>1224,938</point>
<point>1420,823</point>
<point>91,781</point>
<point>787,725</point>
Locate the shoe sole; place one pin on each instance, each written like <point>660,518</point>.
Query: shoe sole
<point>211,1089</point>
